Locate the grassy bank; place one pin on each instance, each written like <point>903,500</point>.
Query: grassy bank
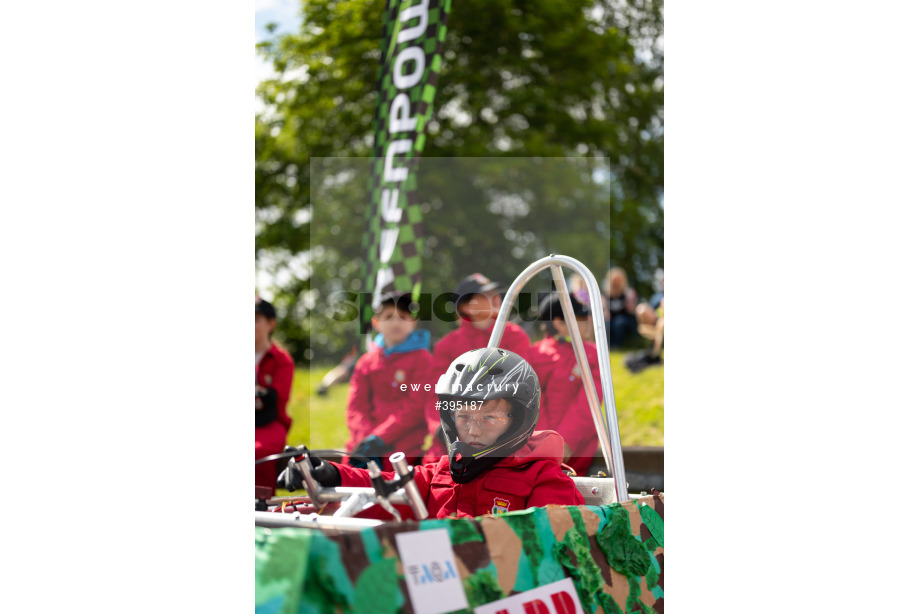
<point>319,422</point>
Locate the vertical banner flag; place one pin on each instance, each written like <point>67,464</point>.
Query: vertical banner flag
<point>413,40</point>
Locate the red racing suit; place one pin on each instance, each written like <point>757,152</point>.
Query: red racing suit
<point>563,403</point>
<point>458,342</point>
<point>378,406</point>
<point>532,477</point>
<point>275,370</point>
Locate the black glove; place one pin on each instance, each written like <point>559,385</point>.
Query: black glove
<point>371,447</point>
<point>324,473</point>
<point>266,406</point>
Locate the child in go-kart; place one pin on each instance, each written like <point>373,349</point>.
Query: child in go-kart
<point>489,402</point>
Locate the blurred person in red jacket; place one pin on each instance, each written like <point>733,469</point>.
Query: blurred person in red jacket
<point>478,301</point>
<point>488,403</point>
<point>387,396</point>
<point>564,406</point>
<point>274,376</point>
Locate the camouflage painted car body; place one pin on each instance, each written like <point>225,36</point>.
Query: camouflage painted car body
<point>614,554</point>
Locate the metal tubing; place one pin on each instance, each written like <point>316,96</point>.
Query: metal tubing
<point>581,358</point>
<point>353,504</point>
<point>309,483</point>
<point>341,493</point>
<point>606,423</point>
<point>374,472</point>
<point>398,460</point>
<point>306,521</point>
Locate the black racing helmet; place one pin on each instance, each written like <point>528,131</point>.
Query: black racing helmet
<point>483,375</point>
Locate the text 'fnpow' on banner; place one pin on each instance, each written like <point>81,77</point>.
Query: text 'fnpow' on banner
<point>413,40</point>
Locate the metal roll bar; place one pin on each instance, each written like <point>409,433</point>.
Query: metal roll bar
<point>605,421</point>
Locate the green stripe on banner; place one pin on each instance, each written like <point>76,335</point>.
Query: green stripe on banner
<point>413,41</point>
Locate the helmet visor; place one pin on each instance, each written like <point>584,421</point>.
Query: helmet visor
<point>478,423</point>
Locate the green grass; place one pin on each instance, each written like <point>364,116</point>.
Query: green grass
<point>639,400</point>
<point>319,422</point>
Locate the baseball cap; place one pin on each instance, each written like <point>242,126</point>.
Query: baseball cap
<point>265,308</point>
<point>477,283</point>
<point>551,306</point>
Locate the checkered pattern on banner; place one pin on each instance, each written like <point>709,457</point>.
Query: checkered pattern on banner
<point>406,260</point>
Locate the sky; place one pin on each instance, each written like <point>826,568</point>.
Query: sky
<point>282,12</point>
<point>285,14</point>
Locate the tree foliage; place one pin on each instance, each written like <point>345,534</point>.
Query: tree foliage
<point>520,78</point>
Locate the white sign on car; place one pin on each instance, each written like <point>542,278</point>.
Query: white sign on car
<point>431,571</point>
<point>556,598</point>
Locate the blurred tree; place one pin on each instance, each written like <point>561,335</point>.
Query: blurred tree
<point>520,78</point>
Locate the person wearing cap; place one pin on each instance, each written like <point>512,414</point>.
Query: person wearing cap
<point>386,394</point>
<point>564,405</point>
<point>478,301</point>
<point>274,376</point>
<point>488,404</point>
